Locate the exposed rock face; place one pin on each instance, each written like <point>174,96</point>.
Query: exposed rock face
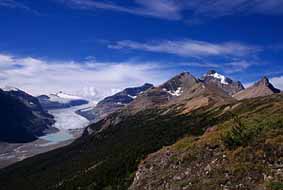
<point>113,103</point>
<point>229,86</point>
<point>179,84</point>
<point>260,88</point>
<point>22,117</point>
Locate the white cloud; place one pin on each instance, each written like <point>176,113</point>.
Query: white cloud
<point>5,59</point>
<point>190,48</point>
<point>89,78</point>
<point>277,82</point>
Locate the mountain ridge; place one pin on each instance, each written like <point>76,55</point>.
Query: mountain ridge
<point>22,117</point>
<point>60,100</point>
<point>113,103</point>
<point>263,87</point>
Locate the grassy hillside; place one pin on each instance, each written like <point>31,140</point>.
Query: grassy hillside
<point>109,159</point>
<point>245,152</point>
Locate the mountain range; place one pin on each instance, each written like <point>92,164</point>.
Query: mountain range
<point>188,133</point>
<point>60,100</point>
<point>22,117</point>
<point>113,103</point>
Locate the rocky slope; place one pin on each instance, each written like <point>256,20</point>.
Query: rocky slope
<point>22,117</point>
<point>60,101</point>
<point>260,88</point>
<point>242,153</point>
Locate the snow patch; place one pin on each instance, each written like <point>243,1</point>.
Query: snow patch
<point>219,76</point>
<point>177,92</point>
<point>133,97</point>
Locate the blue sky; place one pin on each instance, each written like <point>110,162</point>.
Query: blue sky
<point>95,47</point>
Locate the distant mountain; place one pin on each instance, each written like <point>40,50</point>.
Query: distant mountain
<point>22,117</point>
<point>183,89</point>
<point>113,103</point>
<point>229,86</point>
<point>60,100</point>
<point>260,88</point>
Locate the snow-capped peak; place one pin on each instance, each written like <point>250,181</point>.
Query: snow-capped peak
<point>219,76</point>
<point>10,88</point>
<point>62,97</point>
<point>68,96</point>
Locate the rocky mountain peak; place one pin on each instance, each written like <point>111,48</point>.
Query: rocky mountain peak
<point>211,72</point>
<point>261,88</point>
<point>229,86</point>
<point>263,81</point>
<point>266,83</point>
<point>180,82</point>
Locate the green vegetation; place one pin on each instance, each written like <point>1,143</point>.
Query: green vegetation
<point>275,186</point>
<point>242,134</point>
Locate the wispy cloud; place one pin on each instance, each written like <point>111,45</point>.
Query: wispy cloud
<point>218,8</point>
<point>87,78</point>
<point>12,4</point>
<point>189,48</point>
<point>166,9</point>
<point>182,9</point>
<point>228,67</point>
<point>17,5</point>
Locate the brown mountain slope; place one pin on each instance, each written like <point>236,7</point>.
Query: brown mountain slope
<point>184,91</point>
<point>260,88</point>
<point>181,95</point>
